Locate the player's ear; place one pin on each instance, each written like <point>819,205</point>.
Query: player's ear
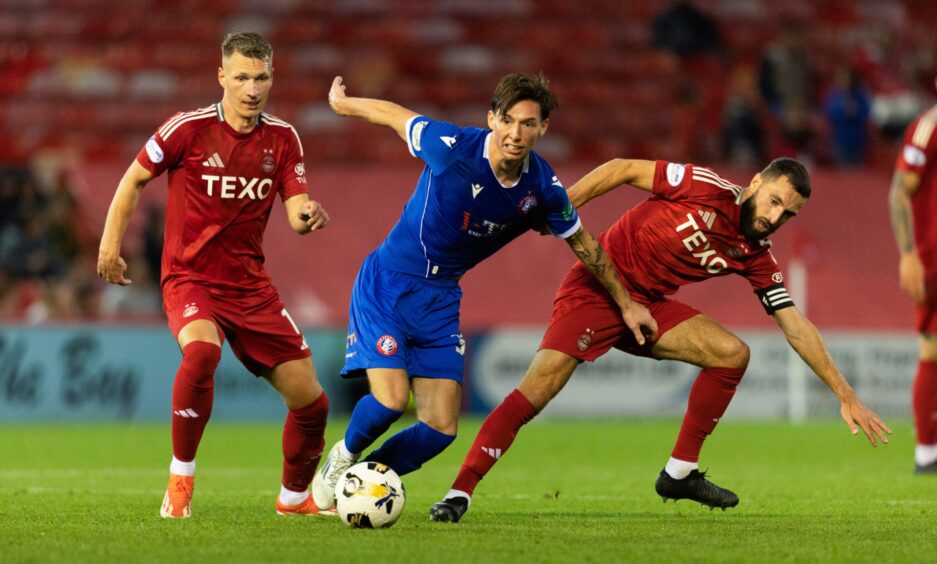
<point>543,127</point>
<point>221,76</point>
<point>756,182</point>
<point>491,119</point>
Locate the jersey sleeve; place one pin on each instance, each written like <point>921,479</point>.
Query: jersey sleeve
<point>159,154</point>
<point>561,216</point>
<point>675,181</point>
<point>433,141</point>
<point>919,145</point>
<point>672,181</point>
<point>768,283</point>
<point>292,181</point>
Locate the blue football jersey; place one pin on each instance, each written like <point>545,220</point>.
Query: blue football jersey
<point>460,214</point>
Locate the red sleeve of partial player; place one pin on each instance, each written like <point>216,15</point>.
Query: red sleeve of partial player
<point>162,153</point>
<point>293,174</point>
<point>919,146</point>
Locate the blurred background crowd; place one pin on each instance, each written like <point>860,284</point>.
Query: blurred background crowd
<point>84,83</point>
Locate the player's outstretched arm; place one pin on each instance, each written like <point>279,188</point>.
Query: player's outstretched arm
<point>615,172</point>
<point>804,338</point>
<point>910,269</point>
<point>380,112</point>
<point>635,315</point>
<point>305,215</point>
<point>111,266</point>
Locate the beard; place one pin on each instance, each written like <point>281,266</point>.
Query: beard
<point>747,222</point>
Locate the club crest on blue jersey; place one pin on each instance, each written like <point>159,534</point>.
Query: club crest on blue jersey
<point>387,345</point>
<point>526,204</point>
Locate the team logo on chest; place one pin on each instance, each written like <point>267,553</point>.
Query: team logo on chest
<point>387,345</point>
<point>526,204</point>
<point>268,163</point>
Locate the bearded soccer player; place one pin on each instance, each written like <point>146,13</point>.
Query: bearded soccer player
<point>913,202</point>
<point>226,162</point>
<point>480,189</point>
<point>696,225</point>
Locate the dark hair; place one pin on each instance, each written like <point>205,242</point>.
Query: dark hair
<point>794,171</point>
<point>517,87</point>
<point>249,44</point>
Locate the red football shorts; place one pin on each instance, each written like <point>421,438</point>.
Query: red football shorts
<point>927,318</point>
<point>586,322</point>
<point>257,326</point>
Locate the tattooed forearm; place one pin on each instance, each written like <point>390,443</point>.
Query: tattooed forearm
<point>592,255</point>
<point>899,201</point>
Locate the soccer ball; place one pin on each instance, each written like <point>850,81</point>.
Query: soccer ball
<point>369,495</point>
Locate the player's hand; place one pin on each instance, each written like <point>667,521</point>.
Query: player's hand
<point>911,276</point>
<point>314,215</point>
<point>113,270</point>
<point>337,96</point>
<point>857,416</point>
<point>640,322</point>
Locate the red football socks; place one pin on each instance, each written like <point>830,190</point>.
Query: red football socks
<point>709,397</point>
<point>494,439</point>
<point>192,394</point>
<point>303,441</point>
<point>924,402</point>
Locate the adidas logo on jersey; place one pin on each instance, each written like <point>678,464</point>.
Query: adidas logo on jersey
<point>214,161</point>
<point>708,218</point>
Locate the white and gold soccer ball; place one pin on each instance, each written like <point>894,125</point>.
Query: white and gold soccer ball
<point>369,495</point>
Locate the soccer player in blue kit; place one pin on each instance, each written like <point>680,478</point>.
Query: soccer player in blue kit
<point>480,189</point>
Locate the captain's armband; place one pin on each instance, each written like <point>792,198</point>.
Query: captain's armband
<point>774,298</point>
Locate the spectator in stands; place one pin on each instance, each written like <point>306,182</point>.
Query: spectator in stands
<point>743,140</point>
<point>847,108</point>
<point>685,30</point>
<point>786,80</point>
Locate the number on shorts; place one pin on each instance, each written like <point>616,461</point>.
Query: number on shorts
<point>286,314</point>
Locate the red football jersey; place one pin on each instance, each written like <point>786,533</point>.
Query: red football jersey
<point>221,184</point>
<point>688,231</point>
<point>919,155</point>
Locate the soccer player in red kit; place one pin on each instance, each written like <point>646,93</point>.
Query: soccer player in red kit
<point>696,225</point>
<point>226,162</point>
<point>913,202</point>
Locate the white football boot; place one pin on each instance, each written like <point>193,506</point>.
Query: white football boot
<point>323,484</point>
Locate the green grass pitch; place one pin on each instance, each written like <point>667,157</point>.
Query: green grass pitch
<point>568,491</point>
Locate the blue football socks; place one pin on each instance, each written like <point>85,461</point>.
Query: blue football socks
<point>369,420</point>
<point>409,449</point>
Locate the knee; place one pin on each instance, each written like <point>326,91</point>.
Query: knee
<point>201,358</point>
<point>927,347</point>
<point>733,353</point>
<point>396,400</point>
<point>446,423</point>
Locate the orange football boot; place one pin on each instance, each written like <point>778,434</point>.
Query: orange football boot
<point>177,498</point>
<point>307,507</point>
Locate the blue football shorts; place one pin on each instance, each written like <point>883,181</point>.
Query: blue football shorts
<point>398,320</point>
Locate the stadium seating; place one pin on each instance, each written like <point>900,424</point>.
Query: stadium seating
<point>109,74</point>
